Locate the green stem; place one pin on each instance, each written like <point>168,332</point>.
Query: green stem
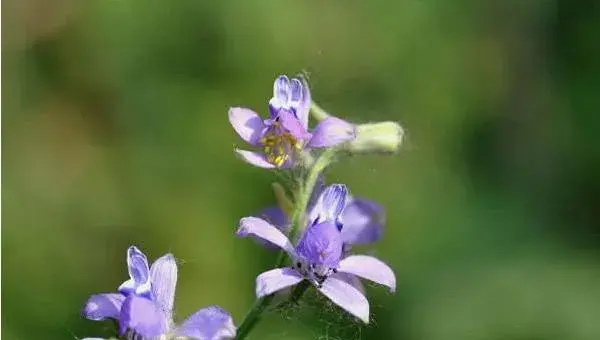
<point>253,316</point>
<point>304,193</point>
<point>306,190</point>
<point>318,112</point>
<point>299,290</point>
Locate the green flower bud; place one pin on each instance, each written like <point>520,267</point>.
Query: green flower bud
<point>382,137</point>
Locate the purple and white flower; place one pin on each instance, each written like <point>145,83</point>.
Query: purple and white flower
<point>283,135</point>
<point>143,305</point>
<point>362,219</point>
<point>319,258</point>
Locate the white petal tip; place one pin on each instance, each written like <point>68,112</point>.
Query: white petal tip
<point>391,285</point>
<point>242,231</point>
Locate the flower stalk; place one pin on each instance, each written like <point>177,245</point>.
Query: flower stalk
<point>317,112</point>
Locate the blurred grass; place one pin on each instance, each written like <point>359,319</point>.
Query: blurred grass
<point>115,132</point>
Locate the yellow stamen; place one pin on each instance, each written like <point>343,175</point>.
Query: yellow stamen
<point>279,148</point>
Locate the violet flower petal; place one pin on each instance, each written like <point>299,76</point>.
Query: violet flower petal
<point>103,306</point>
<point>321,244</point>
<point>163,274</point>
<point>281,89</point>
<point>346,296</point>
<point>330,205</point>
<point>139,273</point>
<point>331,131</point>
<point>210,323</point>
<point>276,279</point>
<point>262,229</point>
<point>281,96</point>
<point>291,123</point>
<point>142,316</point>
<point>333,201</point>
<point>369,268</point>
<point>255,159</point>
<point>352,280</point>
<point>296,94</point>
<point>247,124</point>
<point>363,221</point>
<point>276,217</point>
<point>303,108</point>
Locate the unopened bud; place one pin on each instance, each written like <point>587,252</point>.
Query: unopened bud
<point>383,137</point>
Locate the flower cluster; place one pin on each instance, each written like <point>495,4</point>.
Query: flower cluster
<point>316,229</point>
<point>332,220</point>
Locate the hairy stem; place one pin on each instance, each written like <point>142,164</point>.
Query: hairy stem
<point>304,193</point>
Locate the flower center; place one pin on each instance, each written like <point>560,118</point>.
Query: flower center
<point>315,273</point>
<point>279,146</point>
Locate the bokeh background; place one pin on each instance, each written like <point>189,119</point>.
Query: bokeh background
<point>115,132</point>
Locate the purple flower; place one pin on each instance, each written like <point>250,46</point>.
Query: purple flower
<point>362,220</point>
<point>318,257</point>
<point>144,304</point>
<point>283,135</point>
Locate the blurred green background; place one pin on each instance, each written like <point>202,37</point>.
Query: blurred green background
<point>115,132</point>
